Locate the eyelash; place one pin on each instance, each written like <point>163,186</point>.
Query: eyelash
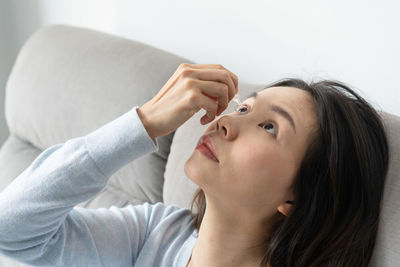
<point>244,105</point>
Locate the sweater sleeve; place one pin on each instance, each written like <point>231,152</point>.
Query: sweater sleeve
<point>38,222</point>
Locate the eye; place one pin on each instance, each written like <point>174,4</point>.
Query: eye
<point>240,107</point>
<point>269,126</point>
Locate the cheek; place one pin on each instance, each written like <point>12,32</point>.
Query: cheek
<point>258,160</point>
<point>258,172</point>
<point>247,155</point>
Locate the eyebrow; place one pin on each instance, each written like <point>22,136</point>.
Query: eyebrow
<point>279,110</point>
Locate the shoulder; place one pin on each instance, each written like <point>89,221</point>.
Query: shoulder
<point>161,218</point>
<point>156,213</point>
<point>160,209</point>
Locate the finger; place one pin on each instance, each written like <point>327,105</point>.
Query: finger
<point>217,91</point>
<point>219,66</point>
<point>210,106</point>
<point>236,81</point>
<point>217,75</point>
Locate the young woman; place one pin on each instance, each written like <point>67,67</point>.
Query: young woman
<point>293,177</point>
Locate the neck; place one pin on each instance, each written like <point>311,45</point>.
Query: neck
<point>228,241</point>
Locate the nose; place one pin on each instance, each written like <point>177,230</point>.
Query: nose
<point>225,127</point>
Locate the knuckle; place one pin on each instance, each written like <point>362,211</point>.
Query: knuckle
<point>186,72</point>
<point>219,66</point>
<point>227,76</point>
<point>224,104</point>
<point>225,91</point>
<point>189,82</point>
<point>224,87</point>
<point>183,65</point>
<point>224,95</point>
<point>193,97</point>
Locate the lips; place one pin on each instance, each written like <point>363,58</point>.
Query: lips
<point>207,142</point>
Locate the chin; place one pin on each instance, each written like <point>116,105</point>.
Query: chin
<point>188,168</point>
<point>194,169</point>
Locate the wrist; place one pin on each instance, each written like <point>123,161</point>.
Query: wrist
<point>145,122</point>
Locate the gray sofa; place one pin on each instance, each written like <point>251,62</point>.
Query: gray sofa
<point>68,81</point>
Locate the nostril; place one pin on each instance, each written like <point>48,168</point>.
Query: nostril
<point>225,130</point>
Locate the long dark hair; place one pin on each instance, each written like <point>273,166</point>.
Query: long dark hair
<point>338,188</point>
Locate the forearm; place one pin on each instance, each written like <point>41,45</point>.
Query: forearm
<point>36,203</point>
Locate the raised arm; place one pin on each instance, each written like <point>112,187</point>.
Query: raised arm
<point>37,223</point>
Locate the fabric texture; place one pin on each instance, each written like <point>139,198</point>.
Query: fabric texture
<point>387,247</point>
<point>40,225</point>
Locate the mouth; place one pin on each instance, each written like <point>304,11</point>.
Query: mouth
<point>206,146</point>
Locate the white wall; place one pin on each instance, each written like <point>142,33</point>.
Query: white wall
<point>356,42</point>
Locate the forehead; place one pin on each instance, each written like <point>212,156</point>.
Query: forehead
<point>286,95</point>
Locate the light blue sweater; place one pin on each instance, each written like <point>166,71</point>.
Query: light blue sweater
<point>40,226</point>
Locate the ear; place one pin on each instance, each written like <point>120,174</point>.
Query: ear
<point>284,208</point>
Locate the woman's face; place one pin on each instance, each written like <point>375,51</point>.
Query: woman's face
<point>259,152</point>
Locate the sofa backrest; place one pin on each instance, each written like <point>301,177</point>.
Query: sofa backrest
<point>387,248</point>
<point>68,81</point>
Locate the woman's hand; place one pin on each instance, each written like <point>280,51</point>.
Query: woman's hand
<point>191,87</point>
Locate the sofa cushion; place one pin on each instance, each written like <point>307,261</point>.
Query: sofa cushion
<point>15,156</point>
<point>387,248</point>
<point>68,81</point>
